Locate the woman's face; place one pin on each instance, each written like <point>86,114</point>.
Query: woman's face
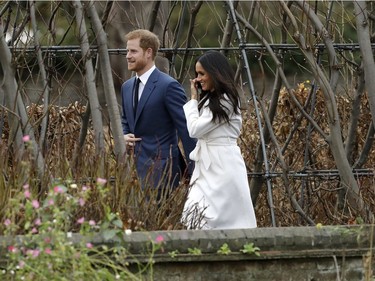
<point>203,78</point>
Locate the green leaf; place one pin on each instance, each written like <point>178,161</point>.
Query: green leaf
<point>224,249</point>
<point>109,234</point>
<point>250,249</point>
<point>173,254</point>
<point>117,223</point>
<point>195,251</point>
<point>27,225</point>
<point>104,225</point>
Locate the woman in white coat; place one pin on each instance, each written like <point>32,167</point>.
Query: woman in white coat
<point>219,196</point>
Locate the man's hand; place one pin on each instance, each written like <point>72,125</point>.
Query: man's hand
<point>130,140</point>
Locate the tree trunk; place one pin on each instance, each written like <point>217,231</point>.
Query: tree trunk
<point>17,115</point>
<point>42,70</point>
<point>107,79</point>
<point>95,108</point>
<point>364,41</point>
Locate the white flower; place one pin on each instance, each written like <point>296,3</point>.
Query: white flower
<point>128,231</point>
<point>117,276</point>
<point>69,234</point>
<point>73,186</point>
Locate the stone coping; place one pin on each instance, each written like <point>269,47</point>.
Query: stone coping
<point>274,243</point>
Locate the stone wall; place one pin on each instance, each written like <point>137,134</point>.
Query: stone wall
<point>335,253</point>
<point>286,254</point>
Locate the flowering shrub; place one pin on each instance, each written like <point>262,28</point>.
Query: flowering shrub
<point>47,249</point>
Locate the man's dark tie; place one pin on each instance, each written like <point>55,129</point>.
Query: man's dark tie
<point>136,94</point>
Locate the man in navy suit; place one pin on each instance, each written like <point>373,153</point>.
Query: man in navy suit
<point>153,119</point>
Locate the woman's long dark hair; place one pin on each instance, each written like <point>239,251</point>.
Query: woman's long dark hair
<point>222,75</point>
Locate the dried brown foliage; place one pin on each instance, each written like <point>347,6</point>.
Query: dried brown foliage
<point>317,191</point>
<point>63,133</point>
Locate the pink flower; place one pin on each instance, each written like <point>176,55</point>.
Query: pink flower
<point>85,188</point>
<point>27,193</point>
<point>89,245</point>
<point>47,240</point>
<point>21,264</point>
<point>81,201</point>
<point>58,189</point>
<point>159,239</point>
<point>48,251</point>
<point>12,249</point>
<point>101,181</point>
<point>7,222</point>
<point>81,220</point>
<point>26,138</point>
<point>38,221</point>
<point>26,186</point>
<point>51,202</point>
<point>36,253</point>
<point>35,204</point>
<point>92,222</point>
<point>34,230</point>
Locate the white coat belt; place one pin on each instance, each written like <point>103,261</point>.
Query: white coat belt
<point>200,152</point>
